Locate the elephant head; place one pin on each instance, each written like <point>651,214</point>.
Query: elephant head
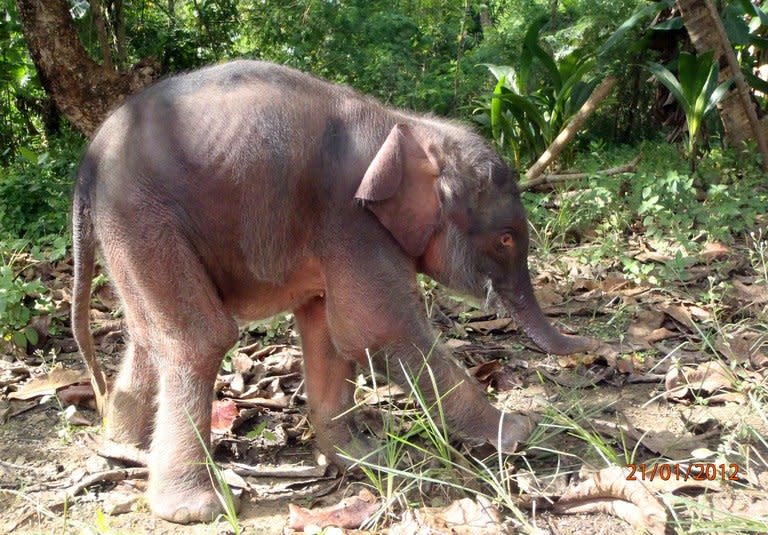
<point>453,205</point>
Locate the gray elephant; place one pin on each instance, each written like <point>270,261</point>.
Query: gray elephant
<point>247,189</point>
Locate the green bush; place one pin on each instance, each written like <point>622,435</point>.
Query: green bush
<point>21,300</point>
<point>35,190</point>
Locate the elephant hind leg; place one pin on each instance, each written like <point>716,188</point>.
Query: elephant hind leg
<point>329,379</point>
<point>182,333</point>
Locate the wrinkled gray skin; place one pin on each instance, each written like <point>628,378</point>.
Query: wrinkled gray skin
<point>246,189</point>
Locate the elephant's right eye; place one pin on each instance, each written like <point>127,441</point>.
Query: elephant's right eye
<point>507,240</point>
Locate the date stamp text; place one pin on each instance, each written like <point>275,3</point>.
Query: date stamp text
<point>683,471</point>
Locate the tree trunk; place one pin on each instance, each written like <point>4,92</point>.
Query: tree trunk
<point>119,19</point>
<point>101,31</point>
<point>737,111</point>
<point>83,90</point>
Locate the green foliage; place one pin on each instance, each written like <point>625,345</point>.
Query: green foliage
<point>695,89</point>
<point>525,113</point>
<point>746,25</point>
<point>21,97</point>
<point>20,300</point>
<point>35,190</point>
<point>416,55</point>
<point>662,202</point>
<point>546,85</point>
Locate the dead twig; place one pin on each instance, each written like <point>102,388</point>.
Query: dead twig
<point>109,476</point>
<point>570,130</point>
<point>554,179</point>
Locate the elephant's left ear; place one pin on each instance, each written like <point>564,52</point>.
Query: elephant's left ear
<point>400,188</point>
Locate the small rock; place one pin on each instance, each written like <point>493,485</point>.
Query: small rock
<point>78,474</point>
<point>118,503</point>
<point>75,417</point>
<point>96,464</point>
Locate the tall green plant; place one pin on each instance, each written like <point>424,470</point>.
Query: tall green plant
<point>529,107</point>
<point>696,91</point>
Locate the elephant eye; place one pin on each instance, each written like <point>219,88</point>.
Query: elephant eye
<point>507,240</point>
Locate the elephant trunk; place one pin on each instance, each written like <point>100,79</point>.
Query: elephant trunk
<point>520,301</point>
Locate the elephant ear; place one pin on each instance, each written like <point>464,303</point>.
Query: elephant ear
<point>399,187</point>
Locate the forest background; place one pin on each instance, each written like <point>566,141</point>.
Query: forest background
<point>662,187</point>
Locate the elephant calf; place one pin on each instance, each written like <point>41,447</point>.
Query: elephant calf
<point>246,189</point>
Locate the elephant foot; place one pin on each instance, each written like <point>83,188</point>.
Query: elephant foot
<point>186,505</point>
<point>346,446</point>
<point>516,428</point>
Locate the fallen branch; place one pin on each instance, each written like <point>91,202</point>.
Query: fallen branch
<point>553,179</point>
<point>575,124</point>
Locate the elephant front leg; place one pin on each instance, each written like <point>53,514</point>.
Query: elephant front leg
<point>384,315</point>
<point>329,379</point>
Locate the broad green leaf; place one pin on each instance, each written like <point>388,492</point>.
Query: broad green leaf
<point>496,107</point>
<point>761,43</point>
<point>526,106</point>
<point>675,23</point>
<point>31,335</point>
<point>499,71</point>
<point>19,340</point>
<point>735,26</point>
<point>27,154</point>
<point>532,50</point>
<point>717,95</point>
<point>579,95</point>
<point>631,22</point>
<point>755,82</point>
<point>693,72</point>
<point>670,82</point>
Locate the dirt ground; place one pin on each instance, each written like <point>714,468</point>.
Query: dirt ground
<point>655,400</point>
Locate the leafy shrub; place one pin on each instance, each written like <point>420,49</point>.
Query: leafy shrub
<point>20,300</point>
<point>35,190</point>
<point>526,111</point>
<point>696,91</point>
<point>662,201</point>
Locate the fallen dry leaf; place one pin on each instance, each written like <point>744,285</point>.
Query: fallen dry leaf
<point>547,296</point>
<point>74,417</point>
<point>753,294</point>
<point>223,414</point>
<point>242,363</point>
<point>706,379</point>
<point>349,513</point>
<point>680,314</point>
<point>118,503</point>
<point>714,251</point>
<point>663,443</point>
<point>743,346</point>
<point>234,479</point>
<point>653,256</point>
<point>462,517</point>
<point>489,326</point>
<point>609,491</point>
<point>579,359</point>
<point>485,371</point>
<point>646,322</point>
<point>582,379</point>
<point>56,378</point>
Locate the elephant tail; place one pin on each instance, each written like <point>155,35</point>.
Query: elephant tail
<point>83,254</point>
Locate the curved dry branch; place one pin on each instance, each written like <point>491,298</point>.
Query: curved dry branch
<point>570,130</point>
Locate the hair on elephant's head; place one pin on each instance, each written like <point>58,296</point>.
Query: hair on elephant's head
<point>452,203</point>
